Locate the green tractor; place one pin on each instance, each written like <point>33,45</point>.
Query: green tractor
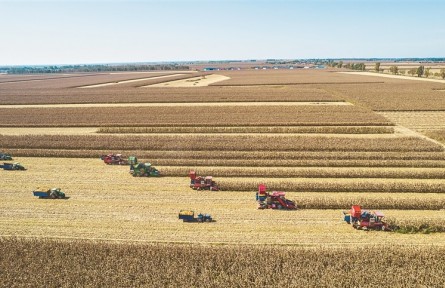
<point>143,170</point>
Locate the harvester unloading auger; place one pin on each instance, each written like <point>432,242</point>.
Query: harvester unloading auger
<point>274,200</point>
<point>142,169</point>
<point>366,220</point>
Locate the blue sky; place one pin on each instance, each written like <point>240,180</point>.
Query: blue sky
<point>69,32</point>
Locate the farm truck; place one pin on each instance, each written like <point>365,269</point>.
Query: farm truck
<point>114,159</point>
<point>364,219</point>
<point>202,183</point>
<point>274,200</point>
<point>189,216</point>
<point>12,166</point>
<point>6,157</point>
<point>53,193</point>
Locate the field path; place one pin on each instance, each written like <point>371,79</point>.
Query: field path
<point>328,103</point>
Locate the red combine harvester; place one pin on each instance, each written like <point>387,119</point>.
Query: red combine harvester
<point>274,200</point>
<point>202,183</point>
<point>114,159</point>
<point>366,220</point>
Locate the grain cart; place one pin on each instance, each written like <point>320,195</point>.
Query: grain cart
<point>143,170</point>
<point>274,200</point>
<point>12,166</point>
<point>53,193</point>
<point>114,159</point>
<point>364,219</point>
<point>189,216</point>
<point>202,183</point>
<point>6,157</point>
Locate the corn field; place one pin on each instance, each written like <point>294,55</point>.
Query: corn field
<point>251,129</point>
<point>53,263</point>
<point>256,143</point>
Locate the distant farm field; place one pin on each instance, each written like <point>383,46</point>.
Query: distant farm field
<point>329,140</point>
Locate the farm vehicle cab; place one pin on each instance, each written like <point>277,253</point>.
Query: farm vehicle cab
<point>366,220</point>
<point>202,183</point>
<point>13,166</point>
<point>114,159</point>
<point>274,200</point>
<point>189,216</point>
<point>6,157</point>
<point>53,193</point>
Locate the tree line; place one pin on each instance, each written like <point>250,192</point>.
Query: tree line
<point>349,65</point>
<point>419,71</point>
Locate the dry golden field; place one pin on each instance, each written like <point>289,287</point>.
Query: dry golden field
<point>93,264</point>
<point>313,134</point>
<point>108,203</point>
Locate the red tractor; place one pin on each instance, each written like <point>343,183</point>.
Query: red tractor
<point>202,183</point>
<point>114,159</point>
<point>366,220</point>
<point>274,200</point>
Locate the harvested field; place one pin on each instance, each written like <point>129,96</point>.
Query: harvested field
<point>290,77</point>
<point>220,143</point>
<point>417,120</point>
<point>193,82</point>
<point>107,203</point>
<point>121,94</point>
<point>81,80</point>
<point>271,115</point>
<point>130,81</point>
<point>438,135</point>
<point>394,76</point>
<point>39,77</point>
<point>392,96</point>
<point>137,265</point>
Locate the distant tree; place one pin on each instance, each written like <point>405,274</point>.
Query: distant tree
<point>420,71</point>
<point>340,64</point>
<point>412,71</point>
<point>394,69</point>
<point>377,67</point>
<point>402,72</point>
<point>427,72</point>
<point>442,73</point>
